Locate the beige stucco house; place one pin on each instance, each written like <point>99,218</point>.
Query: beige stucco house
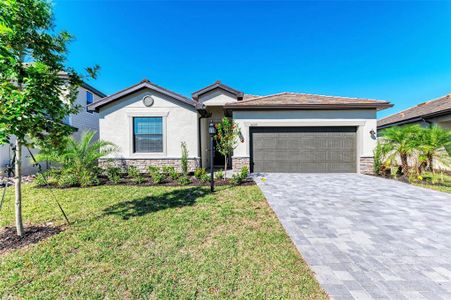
<point>286,132</point>
<point>436,111</point>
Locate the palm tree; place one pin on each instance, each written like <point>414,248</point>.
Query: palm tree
<point>79,157</point>
<point>401,141</point>
<point>433,144</point>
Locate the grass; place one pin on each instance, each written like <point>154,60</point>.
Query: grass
<point>155,242</point>
<point>442,182</point>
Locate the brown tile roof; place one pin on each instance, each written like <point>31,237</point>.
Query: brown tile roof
<point>306,101</point>
<point>427,109</point>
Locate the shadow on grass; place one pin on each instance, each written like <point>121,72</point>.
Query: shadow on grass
<point>142,206</point>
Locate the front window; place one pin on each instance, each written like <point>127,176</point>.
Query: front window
<point>89,99</point>
<point>147,134</point>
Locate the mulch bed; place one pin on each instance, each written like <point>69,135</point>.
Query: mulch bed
<point>9,240</point>
<point>167,182</point>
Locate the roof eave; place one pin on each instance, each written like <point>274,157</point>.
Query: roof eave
<point>309,106</point>
<point>143,84</point>
<point>195,95</point>
<point>416,119</point>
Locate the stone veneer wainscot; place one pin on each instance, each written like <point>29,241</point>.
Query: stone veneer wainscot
<point>143,164</point>
<point>366,165</point>
<point>240,162</point>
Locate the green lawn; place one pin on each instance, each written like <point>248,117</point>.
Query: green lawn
<point>441,188</point>
<point>442,184</point>
<point>155,242</point>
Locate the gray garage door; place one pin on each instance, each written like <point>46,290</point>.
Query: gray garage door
<point>303,149</point>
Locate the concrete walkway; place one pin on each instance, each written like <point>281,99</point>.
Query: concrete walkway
<point>366,237</point>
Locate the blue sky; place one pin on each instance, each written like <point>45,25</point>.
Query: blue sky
<point>397,51</point>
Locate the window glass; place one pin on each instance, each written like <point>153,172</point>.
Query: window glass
<point>148,134</point>
<point>89,99</point>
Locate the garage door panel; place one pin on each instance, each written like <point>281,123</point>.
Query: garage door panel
<point>303,149</point>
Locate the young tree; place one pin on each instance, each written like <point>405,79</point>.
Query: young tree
<point>226,139</point>
<point>401,141</point>
<point>37,90</point>
<point>433,144</point>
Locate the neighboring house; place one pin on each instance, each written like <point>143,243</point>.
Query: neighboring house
<point>437,111</point>
<point>84,120</point>
<point>286,132</point>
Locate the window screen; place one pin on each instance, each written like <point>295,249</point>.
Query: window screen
<point>148,134</point>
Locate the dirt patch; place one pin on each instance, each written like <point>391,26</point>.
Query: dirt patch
<point>9,240</point>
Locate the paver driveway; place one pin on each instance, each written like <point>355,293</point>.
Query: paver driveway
<point>367,237</point>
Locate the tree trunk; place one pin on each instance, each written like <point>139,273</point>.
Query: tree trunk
<point>17,184</point>
<point>431,163</point>
<point>404,164</point>
<point>225,166</point>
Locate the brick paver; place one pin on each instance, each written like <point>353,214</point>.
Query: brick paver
<point>366,237</point>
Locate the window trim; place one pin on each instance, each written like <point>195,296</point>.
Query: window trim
<point>134,133</point>
<point>144,155</point>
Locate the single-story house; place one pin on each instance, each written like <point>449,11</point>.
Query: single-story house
<point>437,111</point>
<point>285,132</point>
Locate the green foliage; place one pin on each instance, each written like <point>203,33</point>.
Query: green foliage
<point>135,175</point>
<point>40,180</point>
<point>157,175</point>
<point>78,158</point>
<point>205,178</point>
<point>424,146</point>
<point>380,153</point>
<point>37,90</point>
<point>433,143</point>
<point>67,180</point>
<point>239,177</point>
<point>199,173</point>
<point>226,138</point>
<point>219,174</point>
<point>159,242</point>
<point>113,173</point>
<point>35,97</point>
<point>184,180</point>
<point>171,172</point>
<point>184,159</point>
<point>401,141</point>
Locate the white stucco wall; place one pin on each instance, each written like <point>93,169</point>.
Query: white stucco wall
<point>364,120</point>
<point>180,124</point>
<point>84,120</point>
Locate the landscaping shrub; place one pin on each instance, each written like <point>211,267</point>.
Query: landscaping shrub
<point>113,174</point>
<point>88,178</point>
<point>171,172</point>
<point>184,159</point>
<point>205,178</point>
<point>135,175</point>
<point>68,180</point>
<point>77,160</point>
<point>240,176</point>
<point>40,180</point>
<point>156,174</point>
<point>219,175</point>
<point>199,173</point>
<point>184,180</point>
